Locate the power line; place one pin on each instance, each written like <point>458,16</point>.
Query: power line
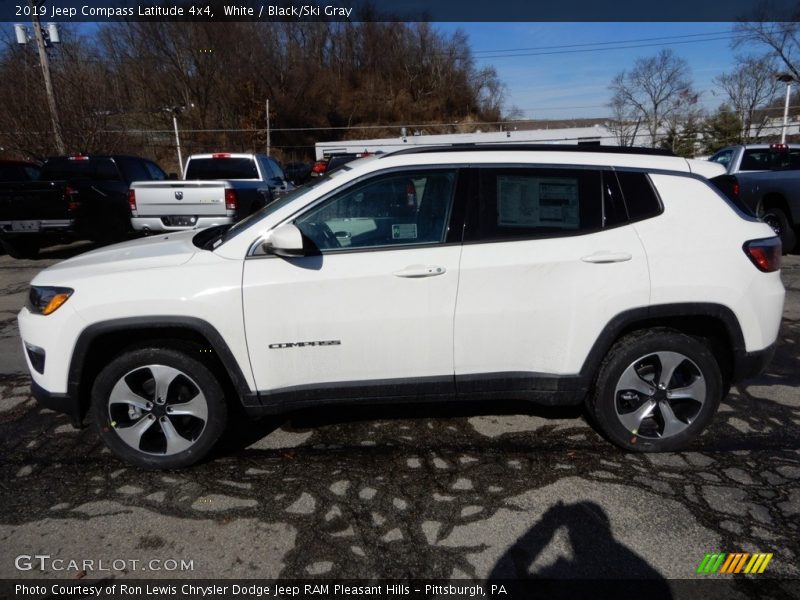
<point>627,47</point>
<point>630,41</point>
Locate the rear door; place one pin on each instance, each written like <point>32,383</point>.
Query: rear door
<point>549,258</point>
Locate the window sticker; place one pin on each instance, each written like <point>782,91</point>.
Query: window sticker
<point>537,202</point>
<point>404,231</point>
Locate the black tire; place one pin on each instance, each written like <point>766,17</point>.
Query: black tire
<point>777,219</point>
<point>22,248</point>
<point>194,386</point>
<point>673,422</point>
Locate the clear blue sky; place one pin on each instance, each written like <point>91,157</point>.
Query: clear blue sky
<point>568,84</point>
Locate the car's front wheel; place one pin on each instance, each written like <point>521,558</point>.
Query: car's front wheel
<point>656,391</point>
<point>158,408</point>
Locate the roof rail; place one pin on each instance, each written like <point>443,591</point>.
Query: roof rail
<point>517,147</point>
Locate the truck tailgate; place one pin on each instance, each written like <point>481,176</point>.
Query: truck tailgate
<point>166,198</point>
<point>38,200</point>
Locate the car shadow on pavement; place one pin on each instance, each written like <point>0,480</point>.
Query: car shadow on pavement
<point>590,555</point>
<point>244,431</point>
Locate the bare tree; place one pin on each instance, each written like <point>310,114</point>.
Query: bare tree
<point>750,88</point>
<point>653,89</point>
<point>624,123</point>
<point>780,39</point>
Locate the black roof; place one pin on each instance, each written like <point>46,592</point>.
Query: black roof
<point>517,147</point>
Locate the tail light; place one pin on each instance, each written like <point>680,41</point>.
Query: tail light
<point>319,167</point>
<point>132,200</point>
<point>71,195</point>
<point>764,253</point>
<point>221,155</point>
<point>231,202</point>
<point>735,188</point>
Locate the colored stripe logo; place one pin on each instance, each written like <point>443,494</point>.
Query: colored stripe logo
<point>735,562</point>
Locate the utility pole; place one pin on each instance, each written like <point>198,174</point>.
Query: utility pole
<point>48,84</point>
<point>786,78</point>
<point>175,112</point>
<point>268,127</point>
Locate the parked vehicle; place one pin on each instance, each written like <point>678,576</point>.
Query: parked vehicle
<point>333,162</point>
<point>540,274</point>
<point>765,179</point>
<point>76,197</point>
<point>218,189</point>
<point>297,172</point>
<point>19,170</point>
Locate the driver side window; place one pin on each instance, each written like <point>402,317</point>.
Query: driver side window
<point>400,209</point>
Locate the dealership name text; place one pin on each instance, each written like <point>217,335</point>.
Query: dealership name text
<point>252,590</point>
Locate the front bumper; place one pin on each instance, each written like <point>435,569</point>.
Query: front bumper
<point>62,403</point>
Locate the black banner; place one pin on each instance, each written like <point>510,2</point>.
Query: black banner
<point>316,589</point>
<point>397,10</point>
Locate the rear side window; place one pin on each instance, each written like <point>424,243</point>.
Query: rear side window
<point>769,159</point>
<point>155,171</point>
<point>641,199</point>
<point>222,168</point>
<point>18,172</point>
<point>133,169</point>
<point>723,157</point>
<point>520,203</point>
<point>276,169</point>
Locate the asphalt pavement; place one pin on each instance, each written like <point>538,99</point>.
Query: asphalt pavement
<point>444,491</point>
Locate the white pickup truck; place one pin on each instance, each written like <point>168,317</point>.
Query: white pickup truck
<point>218,189</point>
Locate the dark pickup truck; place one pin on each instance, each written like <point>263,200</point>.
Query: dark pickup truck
<point>76,197</point>
<point>764,179</point>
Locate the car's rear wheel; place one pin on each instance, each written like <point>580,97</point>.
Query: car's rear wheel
<point>656,391</point>
<point>158,408</point>
<point>777,219</point>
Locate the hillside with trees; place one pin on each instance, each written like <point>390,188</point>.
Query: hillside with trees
<point>115,89</point>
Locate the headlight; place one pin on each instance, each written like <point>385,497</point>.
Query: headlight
<point>44,300</point>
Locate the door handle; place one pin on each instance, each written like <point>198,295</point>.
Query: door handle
<point>417,271</point>
<point>607,257</point>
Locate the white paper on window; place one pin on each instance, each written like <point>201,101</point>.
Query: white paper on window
<point>537,202</point>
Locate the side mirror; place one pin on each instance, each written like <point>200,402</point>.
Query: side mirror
<point>284,240</point>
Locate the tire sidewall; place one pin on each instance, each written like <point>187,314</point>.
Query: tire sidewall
<point>630,349</point>
<point>787,234</point>
<point>195,370</point>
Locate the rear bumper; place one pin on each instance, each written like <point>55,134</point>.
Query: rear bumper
<point>750,364</point>
<point>155,224</point>
<point>62,403</point>
<point>46,226</point>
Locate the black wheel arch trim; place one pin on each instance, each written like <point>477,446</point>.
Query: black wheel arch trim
<point>741,368</point>
<point>193,324</point>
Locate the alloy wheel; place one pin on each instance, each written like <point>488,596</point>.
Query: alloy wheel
<point>659,395</point>
<point>157,410</point>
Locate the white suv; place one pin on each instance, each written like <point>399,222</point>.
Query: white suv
<point>559,275</point>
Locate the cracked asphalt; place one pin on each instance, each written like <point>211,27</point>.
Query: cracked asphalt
<point>456,492</point>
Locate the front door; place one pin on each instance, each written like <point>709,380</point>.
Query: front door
<point>370,313</point>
